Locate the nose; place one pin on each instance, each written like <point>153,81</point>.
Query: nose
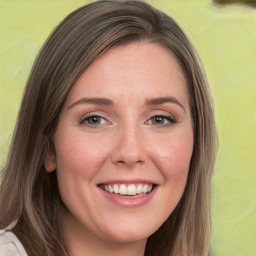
<point>129,148</point>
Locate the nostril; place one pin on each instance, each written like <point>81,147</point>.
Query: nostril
<point>126,154</point>
<point>124,163</point>
<point>121,162</point>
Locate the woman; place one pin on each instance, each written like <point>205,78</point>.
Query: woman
<point>115,141</point>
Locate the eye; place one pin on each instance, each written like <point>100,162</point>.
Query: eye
<point>93,120</point>
<point>161,120</point>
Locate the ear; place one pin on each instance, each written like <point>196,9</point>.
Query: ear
<point>50,162</point>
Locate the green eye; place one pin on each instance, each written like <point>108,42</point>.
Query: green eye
<point>93,120</point>
<point>161,120</point>
<point>158,120</point>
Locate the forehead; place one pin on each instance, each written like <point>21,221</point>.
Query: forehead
<point>139,70</point>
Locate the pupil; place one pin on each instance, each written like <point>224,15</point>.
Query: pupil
<point>94,120</point>
<point>158,119</point>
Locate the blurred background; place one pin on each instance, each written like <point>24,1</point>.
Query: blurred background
<point>225,37</point>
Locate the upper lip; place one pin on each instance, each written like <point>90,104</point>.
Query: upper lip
<point>129,181</point>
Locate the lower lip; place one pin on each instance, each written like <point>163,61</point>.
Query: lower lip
<point>129,201</point>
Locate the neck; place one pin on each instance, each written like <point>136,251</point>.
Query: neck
<point>81,242</point>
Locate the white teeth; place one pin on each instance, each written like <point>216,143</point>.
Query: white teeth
<point>110,189</point>
<point>145,188</point>
<point>139,189</point>
<point>123,190</point>
<point>130,189</point>
<point>116,190</point>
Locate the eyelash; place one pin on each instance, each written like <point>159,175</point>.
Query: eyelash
<point>84,120</point>
<point>170,119</point>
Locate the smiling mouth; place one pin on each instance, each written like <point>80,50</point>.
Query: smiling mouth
<point>128,189</point>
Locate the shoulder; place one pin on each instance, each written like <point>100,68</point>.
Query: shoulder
<point>9,243</point>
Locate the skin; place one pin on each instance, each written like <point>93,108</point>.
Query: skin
<point>126,144</point>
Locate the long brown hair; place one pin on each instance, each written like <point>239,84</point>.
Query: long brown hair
<point>30,194</point>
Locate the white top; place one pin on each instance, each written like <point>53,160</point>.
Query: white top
<point>10,244</point>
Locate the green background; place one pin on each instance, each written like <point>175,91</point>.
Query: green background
<point>225,38</point>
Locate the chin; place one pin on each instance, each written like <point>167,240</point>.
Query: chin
<point>132,232</point>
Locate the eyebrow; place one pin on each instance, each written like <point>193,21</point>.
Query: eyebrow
<point>95,101</point>
<point>108,102</point>
<point>162,100</point>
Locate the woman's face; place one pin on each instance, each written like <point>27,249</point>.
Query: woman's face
<point>124,143</point>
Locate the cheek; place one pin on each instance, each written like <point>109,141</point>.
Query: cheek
<point>79,155</point>
<point>172,158</point>
<point>174,154</point>
<point>79,160</point>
